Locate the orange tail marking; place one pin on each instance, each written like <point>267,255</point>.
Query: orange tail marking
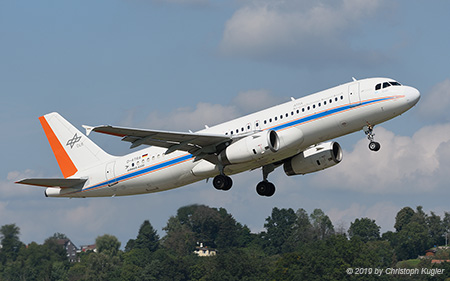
<point>65,163</point>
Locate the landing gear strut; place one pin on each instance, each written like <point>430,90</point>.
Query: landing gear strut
<point>265,187</point>
<point>373,145</point>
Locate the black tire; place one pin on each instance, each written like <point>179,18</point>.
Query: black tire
<point>374,146</point>
<point>219,182</point>
<point>265,188</point>
<point>261,188</point>
<point>228,183</point>
<point>271,190</point>
<point>222,182</point>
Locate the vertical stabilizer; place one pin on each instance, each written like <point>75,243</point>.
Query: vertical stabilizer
<point>73,150</point>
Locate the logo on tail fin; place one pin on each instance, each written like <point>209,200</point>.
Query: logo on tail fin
<point>73,141</point>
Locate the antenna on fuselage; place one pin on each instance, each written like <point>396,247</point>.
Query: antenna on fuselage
<point>354,79</point>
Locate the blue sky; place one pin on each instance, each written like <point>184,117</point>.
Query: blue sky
<point>181,64</point>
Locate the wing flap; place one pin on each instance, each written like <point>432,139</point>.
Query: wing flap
<point>54,182</point>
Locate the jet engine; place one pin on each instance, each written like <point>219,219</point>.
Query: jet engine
<point>250,148</point>
<point>314,159</point>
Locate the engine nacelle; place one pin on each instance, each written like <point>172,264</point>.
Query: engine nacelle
<point>250,148</point>
<point>314,159</point>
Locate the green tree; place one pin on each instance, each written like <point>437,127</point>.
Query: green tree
<point>53,245</point>
<point>412,237</point>
<point>37,262</point>
<point>446,227</point>
<point>108,244</point>
<point>139,251</point>
<point>180,238</point>
<point>279,227</point>
<point>412,241</point>
<point>9,236</point>
<point>436,229</point>
<point>101,266</point>
<point>214,228</point>
<point>403,217</point>
<point>147,238</point>
<point>302,232</point>
<point>321,224</point>
<point>365,229</point>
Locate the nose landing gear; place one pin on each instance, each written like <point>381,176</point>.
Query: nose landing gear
<point>373,145</point>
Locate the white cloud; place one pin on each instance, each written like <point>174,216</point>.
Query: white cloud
<point>9,190</point>
<point>254,100</point>
<point>296,31</point>
<point>193,119</point>
<point>186,118</point>
<point>436,103</point>
<point>414,164</point>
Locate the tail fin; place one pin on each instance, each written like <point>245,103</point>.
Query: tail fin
<point>73,150</point>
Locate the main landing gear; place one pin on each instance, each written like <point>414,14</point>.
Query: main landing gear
<point>222,182</point>
<point>373,145</point>
<point>263,188</point>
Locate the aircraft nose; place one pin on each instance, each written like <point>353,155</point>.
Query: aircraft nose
<point>412,95</point>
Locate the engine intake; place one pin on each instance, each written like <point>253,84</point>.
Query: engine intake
<point>250,148</point>
<point>314,159</point>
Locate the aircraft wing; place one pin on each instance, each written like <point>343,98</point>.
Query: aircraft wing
<point>55,182</point>
<point>194,143</point>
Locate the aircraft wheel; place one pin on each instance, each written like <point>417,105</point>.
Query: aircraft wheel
<point>265,188</point>
<point>271,190</point>
<point>222,182</point>
<point>228,183</point>
<point>374,146</point>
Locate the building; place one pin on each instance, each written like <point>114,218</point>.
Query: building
<point>70,248</point>
<point>204,251</point>
<point>87,248</point>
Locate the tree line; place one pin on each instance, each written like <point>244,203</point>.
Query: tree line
<point>294,245</point>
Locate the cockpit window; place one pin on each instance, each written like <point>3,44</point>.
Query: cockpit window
<point>386,84</point>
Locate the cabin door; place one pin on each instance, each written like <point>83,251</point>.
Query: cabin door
<point>353,94</point>
<point>110,173</point>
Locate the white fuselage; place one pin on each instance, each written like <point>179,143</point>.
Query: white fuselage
<point>310,120</point>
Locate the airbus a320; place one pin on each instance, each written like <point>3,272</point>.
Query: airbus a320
<point>296,135</point>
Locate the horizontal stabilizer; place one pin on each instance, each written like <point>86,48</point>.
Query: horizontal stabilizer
<point>55,182</point>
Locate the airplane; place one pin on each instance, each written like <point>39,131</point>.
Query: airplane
<point>295,135</point>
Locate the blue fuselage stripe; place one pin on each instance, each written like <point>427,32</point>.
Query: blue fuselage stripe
<point>142,172</point>
<point>325,114</point>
